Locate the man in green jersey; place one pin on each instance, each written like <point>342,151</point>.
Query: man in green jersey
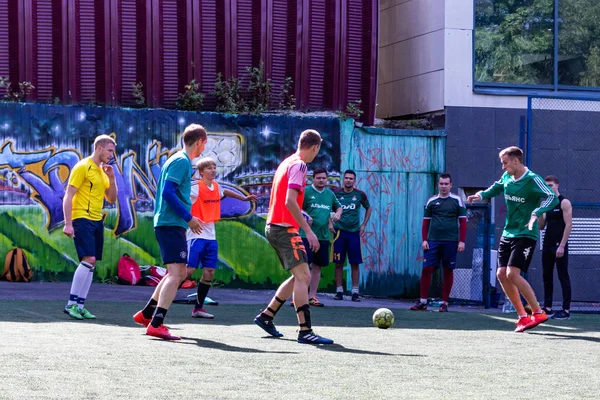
<point>319,203</point>
<point>442,239</point>
<point>527,198</point>
<point>348,230</point>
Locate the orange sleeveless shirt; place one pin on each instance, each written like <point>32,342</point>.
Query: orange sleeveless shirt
<point>278,212</point>
<point>208,205</point>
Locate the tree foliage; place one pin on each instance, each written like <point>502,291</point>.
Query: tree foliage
<point>514,42</point>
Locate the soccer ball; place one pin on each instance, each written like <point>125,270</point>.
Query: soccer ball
<point>383,318</point>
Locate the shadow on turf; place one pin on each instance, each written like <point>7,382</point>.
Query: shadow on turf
<point>225,347</point>
<point>120,314</point>
<point>558,336</point>
<point>338,348</point>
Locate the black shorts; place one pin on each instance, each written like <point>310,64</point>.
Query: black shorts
<point>516,252</point>
<point>321,257</point>
<point>89,238</point>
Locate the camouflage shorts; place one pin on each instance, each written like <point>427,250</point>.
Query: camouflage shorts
<point>287,244</point>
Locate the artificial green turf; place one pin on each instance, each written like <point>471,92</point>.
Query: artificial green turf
<point>426,355</point>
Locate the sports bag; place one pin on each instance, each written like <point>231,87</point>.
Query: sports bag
<point>128,271</point>
<point>16,267</point>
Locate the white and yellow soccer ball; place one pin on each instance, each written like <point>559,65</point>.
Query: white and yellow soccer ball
<point>383,318</point>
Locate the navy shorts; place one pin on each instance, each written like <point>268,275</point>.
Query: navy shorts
<point>89,238</point>
<point>347,243</point>
<point>321,257</point>
<point>203,253</point>
<point>441,254</point>
<point>172,243</point>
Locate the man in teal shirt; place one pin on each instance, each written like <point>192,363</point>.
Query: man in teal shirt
<point>321,205</point>
<point>348,230</point>
<point>527,197</point>
<point>172,206</point>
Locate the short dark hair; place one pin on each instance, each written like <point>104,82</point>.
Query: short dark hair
<point>309,138</point>
<point>349,171</point>
<point>552,178</point>
<point>193,133</point>
<point>513,152</point>
<point>446,175</point>
<point>320,170</point>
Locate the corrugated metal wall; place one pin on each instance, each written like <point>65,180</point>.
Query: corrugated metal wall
<point>397,170</point>
<point>87,51</point>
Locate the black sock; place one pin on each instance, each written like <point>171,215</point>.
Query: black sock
<point>203,287</point>
<point>159,317</point>
<point>148,311</point>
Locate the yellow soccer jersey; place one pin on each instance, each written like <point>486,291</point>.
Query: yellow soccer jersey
<point>91,182</point>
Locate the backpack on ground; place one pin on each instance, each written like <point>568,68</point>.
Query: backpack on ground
<point>152,275</point>
<point>128,271</point>
<point>150,280</point>
<point>16,267</point>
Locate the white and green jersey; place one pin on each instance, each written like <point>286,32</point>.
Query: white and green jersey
<point>524,196</point>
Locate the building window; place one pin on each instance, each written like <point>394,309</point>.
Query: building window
<point>521,43</point>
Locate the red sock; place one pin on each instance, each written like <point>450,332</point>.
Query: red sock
<point>447,282</point>
<point>426,277</point>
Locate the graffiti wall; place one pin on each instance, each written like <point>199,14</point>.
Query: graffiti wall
<point>41,143</point>
<point>398,171</point>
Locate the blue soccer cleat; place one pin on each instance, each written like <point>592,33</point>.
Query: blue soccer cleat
<point>309,337</point>
<point>267,324</point>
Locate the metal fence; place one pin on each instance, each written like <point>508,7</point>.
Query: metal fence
<point>474,276</point>
<point>563,140</point>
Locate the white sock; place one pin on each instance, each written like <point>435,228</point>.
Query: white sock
<point>79,279</point>
<point>424,301</point>
<point>340,289</point>
<point>85,289</point>
<point>354,289</point>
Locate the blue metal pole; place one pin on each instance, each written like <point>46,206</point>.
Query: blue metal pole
<point>529,129</point>
<point>487,301</point>
<point>555,66</point>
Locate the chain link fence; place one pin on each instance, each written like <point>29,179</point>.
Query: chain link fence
<point>563,140</point>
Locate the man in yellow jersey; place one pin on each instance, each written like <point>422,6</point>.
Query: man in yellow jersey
<point>91,180</point>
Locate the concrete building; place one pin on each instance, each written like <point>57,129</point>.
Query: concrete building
<point>478,65</point>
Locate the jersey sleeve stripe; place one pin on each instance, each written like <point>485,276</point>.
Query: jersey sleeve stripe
<point>432,198</point>
<point>543,187</point>
<point>363,193</point>
<point>457,197</point>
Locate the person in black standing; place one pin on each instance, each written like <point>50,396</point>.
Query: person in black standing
<point>558,223</point>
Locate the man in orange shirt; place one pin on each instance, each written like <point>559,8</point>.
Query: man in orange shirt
<point>284,219</point>
<point>203,250</point>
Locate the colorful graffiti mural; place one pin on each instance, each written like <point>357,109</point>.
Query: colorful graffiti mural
<point>397,170</point>
<point>41,143</point>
